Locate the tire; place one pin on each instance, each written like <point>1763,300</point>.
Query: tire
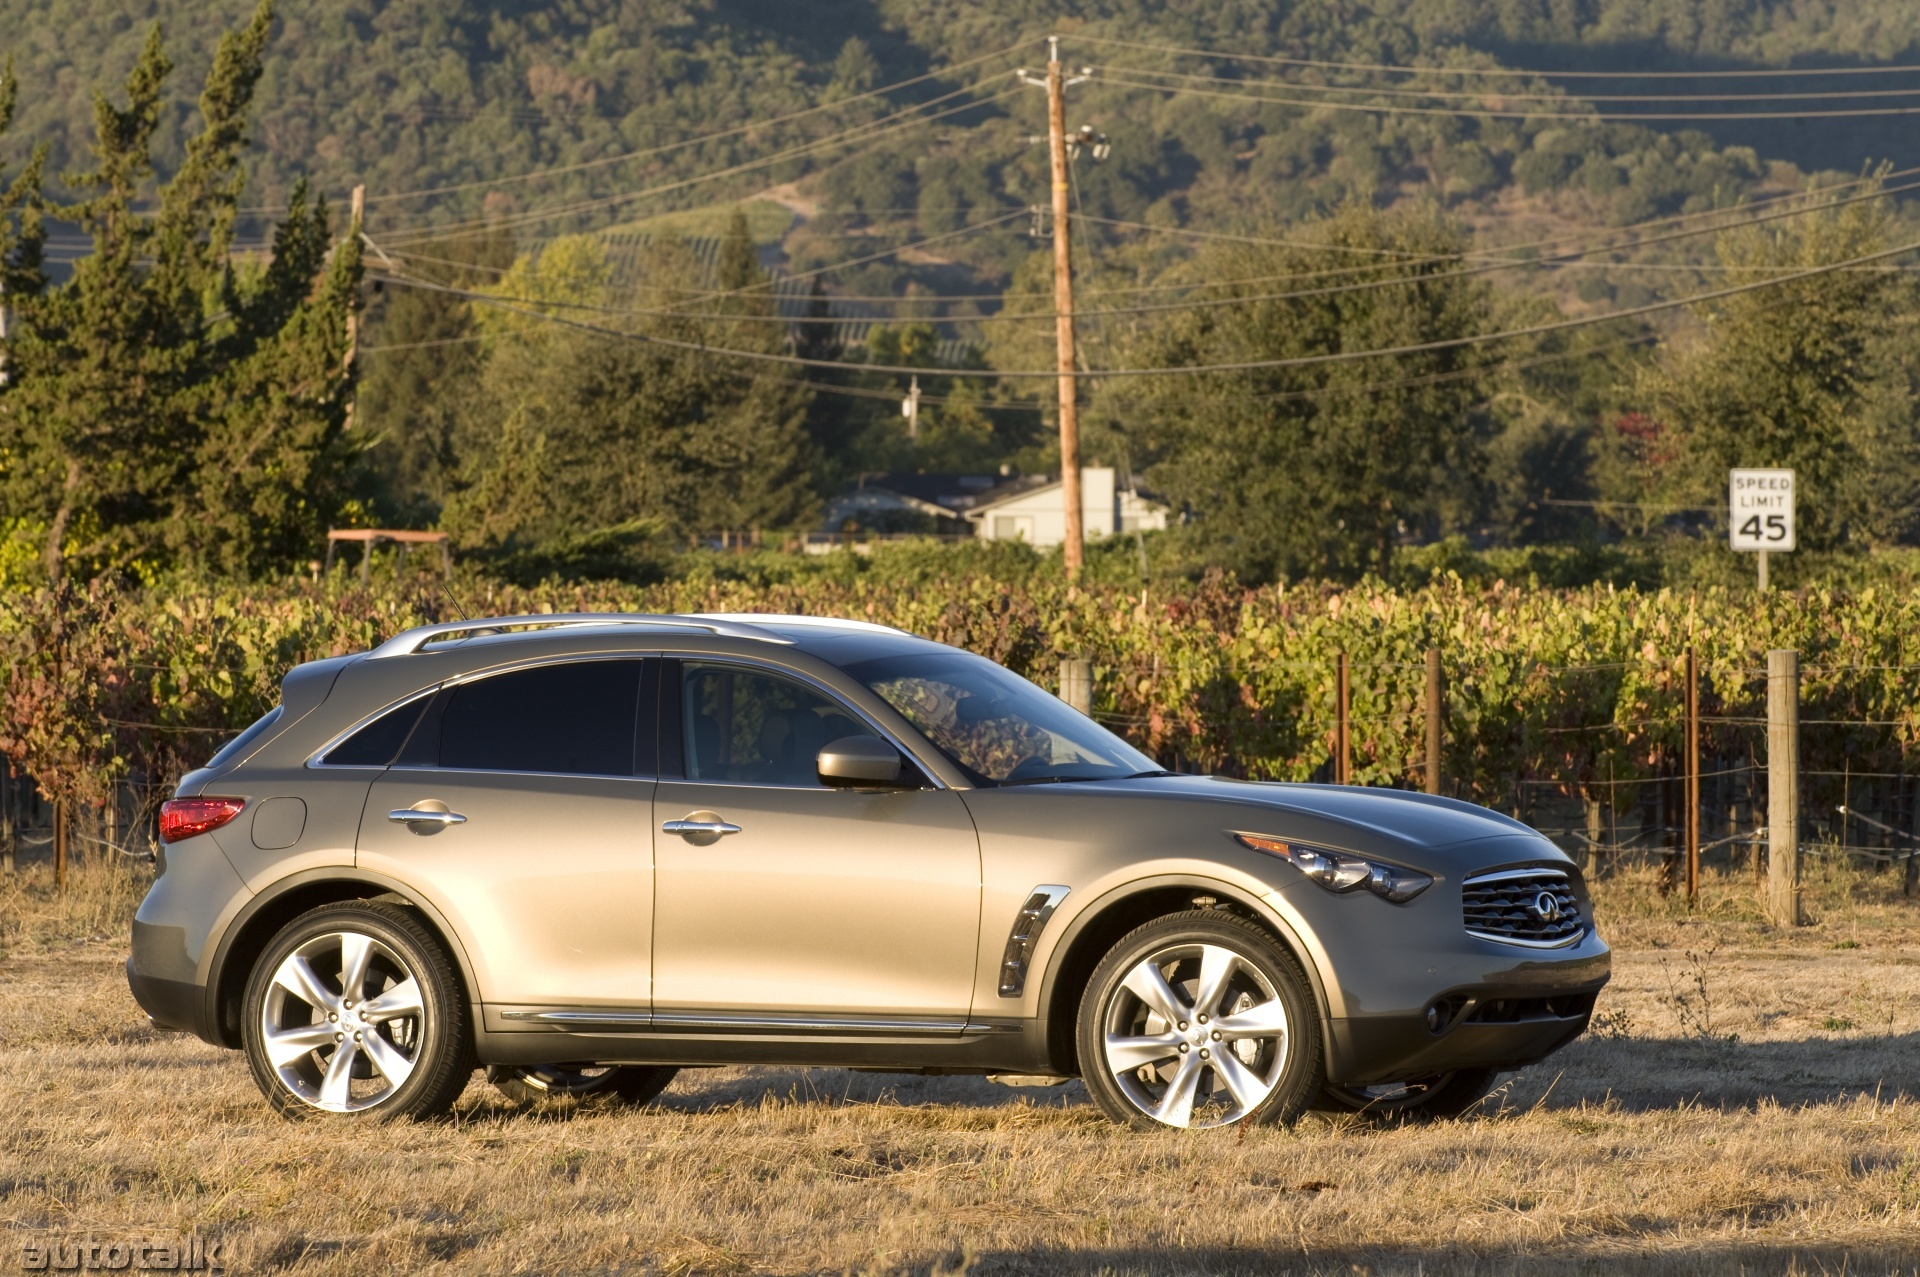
<point>1155,1050</point>
<point>634,1084</point>
<point>1419,1099</point>
<point>410,1058</point>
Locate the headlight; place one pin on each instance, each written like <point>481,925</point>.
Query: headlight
<point>1339,872</point>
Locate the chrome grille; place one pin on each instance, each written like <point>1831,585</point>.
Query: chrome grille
<point>1532,907</point>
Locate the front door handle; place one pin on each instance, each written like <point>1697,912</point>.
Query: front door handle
<point>713,827</point>
<point>701,828</point>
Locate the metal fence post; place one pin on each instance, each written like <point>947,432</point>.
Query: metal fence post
<point>60,844</point>
<point>1342,737</point>
<point>1436,709</point>
<point>1076,685</point>
<point>1783,787</point>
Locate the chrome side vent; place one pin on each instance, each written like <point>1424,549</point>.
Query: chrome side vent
<point>1027,926</point>
<point>1535,908</point>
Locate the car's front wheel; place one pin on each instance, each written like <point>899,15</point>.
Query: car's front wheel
<point>355,1009</point>
<point>1199,1019</point>
<point>629,1084</point>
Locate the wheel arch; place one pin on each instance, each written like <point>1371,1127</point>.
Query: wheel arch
<point>1098,927</point>
<point>280,903</point>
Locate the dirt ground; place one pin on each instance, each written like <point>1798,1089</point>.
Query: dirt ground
<point>1748,1102</point>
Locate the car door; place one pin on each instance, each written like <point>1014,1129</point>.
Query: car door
<point>521,807</point>
<point>820,902</point>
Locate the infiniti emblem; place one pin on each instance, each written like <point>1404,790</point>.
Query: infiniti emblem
<point>1545,907</point>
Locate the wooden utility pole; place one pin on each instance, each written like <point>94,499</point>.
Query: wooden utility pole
<point>1436,710</point>
<point>1342,724</point>
<point>1783,787</point>
<point>1693,778</point>
<point>356,218</point>
<point>1073,548</point>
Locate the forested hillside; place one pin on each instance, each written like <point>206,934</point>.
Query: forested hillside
<point>558,193</point>
<point>404,96</point>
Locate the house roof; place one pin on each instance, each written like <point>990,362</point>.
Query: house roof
<point>948,490</point>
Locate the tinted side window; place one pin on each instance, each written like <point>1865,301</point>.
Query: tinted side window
<point>375,744</point>
<point>744,726</point>
<point>232,748</point>
<point>576,717</point>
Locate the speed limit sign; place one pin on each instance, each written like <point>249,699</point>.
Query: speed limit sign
<point>1760,509</point>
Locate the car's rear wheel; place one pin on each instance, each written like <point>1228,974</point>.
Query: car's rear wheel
<point>627,1083</point>
<point>355,1010</point>
<point>1437,1096</point>
<point>1199,1020</point>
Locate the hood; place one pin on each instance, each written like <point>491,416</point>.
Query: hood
<point>1421,830</point>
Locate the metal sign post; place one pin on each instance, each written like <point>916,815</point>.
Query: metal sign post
<point>1760,514</point>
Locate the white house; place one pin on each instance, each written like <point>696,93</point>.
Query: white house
<point>1035,513</point>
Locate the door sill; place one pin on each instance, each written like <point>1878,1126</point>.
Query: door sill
<point>615,1020</point>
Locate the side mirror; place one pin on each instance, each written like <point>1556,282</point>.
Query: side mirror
<point>859,760</point>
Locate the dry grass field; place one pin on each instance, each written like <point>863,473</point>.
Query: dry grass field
<point>1749,1102</point>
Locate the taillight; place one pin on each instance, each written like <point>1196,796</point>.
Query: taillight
<point>185,817</point>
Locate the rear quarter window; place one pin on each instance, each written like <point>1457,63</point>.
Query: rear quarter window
<point>239,744</point>
<point>376,744</point>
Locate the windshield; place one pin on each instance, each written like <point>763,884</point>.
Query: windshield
<point>996,726</point>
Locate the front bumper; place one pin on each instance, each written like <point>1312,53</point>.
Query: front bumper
<point>1481,1028</point>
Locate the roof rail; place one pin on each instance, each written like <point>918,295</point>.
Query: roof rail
<point>408,642</point>
<point>771,618</point>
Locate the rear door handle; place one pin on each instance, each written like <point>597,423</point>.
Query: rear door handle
<point>418,816</point>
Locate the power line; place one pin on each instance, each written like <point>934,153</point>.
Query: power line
<point>738,130</point>
<point>1496,72</point>
<point>1563,97</point>
<point>1578,117</point>
<point>1485,267</point>
<point>1301,361</point>
<point>885,124</point>
<point>1675,219</point>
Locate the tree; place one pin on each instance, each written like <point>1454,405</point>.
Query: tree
<point>1813,375</point>
<point>166,406</point>
<point>421,363</point>
<point>1318,469</point>
<point>595,440</point>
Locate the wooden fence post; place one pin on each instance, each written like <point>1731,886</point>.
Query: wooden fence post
<point>60,844</point>
<point>1076,685</point>
<point>1342,727</point>
<point>9,815</point>
<point>1693,778</point>
<point>1783,787</point>
<point>1436,721</point>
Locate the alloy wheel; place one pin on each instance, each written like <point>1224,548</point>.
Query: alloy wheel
<point>1196,1036</point>
<point>343,1021</point>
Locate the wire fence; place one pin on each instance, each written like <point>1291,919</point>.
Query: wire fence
<point>1656,767</point>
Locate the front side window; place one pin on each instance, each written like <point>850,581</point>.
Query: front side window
<point>578,717</point>
<point>995,725</point>
<point>745,727</point>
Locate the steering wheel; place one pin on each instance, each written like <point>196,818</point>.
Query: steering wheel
<point>1031,766</point>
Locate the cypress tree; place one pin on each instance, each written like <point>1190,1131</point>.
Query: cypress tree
<point>165,407</point>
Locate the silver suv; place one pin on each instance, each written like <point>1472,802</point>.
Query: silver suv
<point>584,851</point>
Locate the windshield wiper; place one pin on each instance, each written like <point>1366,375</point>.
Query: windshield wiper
<point>1158,771</point>
<point>1052,780</point>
